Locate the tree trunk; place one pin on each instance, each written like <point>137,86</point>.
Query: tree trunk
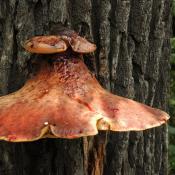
<point>132,60</point>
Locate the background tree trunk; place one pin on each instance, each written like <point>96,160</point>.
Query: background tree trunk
<point>132,60</point>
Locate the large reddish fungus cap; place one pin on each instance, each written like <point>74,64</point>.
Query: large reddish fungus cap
<point>65,100</point>
<point>59,43</point>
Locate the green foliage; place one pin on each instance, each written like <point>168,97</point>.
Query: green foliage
<point>173,7</point>
<point>172,149</point>
<point>171,130</point>
<point>172,157</point>
<point>172,49</point>
<point>172,85</point>
<point>172,102</point>
<point>172,107</point>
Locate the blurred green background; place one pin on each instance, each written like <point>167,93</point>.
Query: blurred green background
<point>172,98</point>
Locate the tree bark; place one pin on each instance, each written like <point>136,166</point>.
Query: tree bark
<point>132,60</point>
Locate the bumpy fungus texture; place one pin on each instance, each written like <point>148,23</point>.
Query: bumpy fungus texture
<point>65,100</point>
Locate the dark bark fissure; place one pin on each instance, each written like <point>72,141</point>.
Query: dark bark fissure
<point>132,60</point>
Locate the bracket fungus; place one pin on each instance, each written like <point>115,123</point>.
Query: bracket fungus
<point>65,100</point>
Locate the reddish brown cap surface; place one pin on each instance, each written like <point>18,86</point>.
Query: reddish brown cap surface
<point>45,44</point>
<point>81,45</point>
<point>64,100</point>
<point>56,44</point>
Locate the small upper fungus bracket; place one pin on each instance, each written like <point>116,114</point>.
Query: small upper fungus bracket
<point>46,44</point>
<point>59,43</point>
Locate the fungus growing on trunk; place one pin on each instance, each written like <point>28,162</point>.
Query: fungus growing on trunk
<point>65,100</point>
